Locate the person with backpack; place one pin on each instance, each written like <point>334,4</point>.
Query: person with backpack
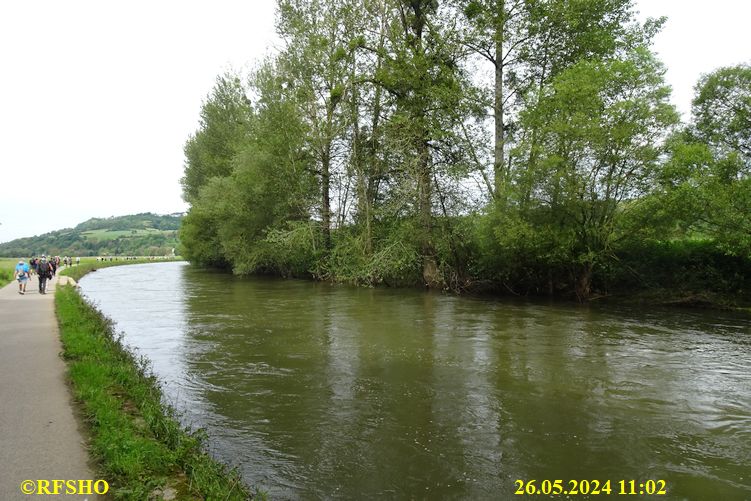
<point>45,273</point>
<point>22,275</point>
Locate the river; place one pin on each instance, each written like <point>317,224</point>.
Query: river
<point>318,391</point>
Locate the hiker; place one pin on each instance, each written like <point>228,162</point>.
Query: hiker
<point>33,263</point>
<point>53,266</point>
<point>22,275</point>
<point>45,273</point>
<point>78,261</point>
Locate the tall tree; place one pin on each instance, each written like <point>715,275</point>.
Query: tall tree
<point>529,42</point>
<point>315,63</point>
<point>422,73</point>
<point>722,110</point>
<point>224,127</point>
<point>600,125</point>
<point>707,180</point>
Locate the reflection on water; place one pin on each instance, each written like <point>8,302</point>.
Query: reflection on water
<point>318,391</point>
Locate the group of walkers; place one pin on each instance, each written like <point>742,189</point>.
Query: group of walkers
<point>43,267</point>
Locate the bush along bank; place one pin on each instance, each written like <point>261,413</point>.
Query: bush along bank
<point>136,439</point>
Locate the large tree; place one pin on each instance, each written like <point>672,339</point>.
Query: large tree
<point>421,72</point>
<point>528,43</point>
<point>706,185</point>
<point>315,63</point>
<point>223,130</point>
<point>599,130</point>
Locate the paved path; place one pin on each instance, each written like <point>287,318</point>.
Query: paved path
<point>39,434</point>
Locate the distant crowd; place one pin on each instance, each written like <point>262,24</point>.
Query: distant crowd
<point>45,268</point>
<point>132,258</point>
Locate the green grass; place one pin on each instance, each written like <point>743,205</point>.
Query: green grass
<point>7,269</point>
<point>137,440</point>
<point>113,234</point>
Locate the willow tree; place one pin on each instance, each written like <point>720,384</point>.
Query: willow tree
<point>224,129</point>
<point>600,126</point>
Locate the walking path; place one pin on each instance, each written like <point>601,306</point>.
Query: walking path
<point>39,434</point>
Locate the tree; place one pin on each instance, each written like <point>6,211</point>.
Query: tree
<point>599,125</point>
<point>528,43</point>
<point>722,111</point>
<point>225,118</point>
<point>421,72</point>
<point>707,180</point>
<point>315,63</point>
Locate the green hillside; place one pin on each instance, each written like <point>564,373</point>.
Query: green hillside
<point>144,234</point>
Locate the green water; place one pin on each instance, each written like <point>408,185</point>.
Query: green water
<point>332,392</point>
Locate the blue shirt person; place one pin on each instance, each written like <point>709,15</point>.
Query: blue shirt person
<point>22,275</point>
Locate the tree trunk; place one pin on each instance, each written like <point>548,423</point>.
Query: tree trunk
<point>498,166</point>
<point>326,195</point>
<point>425,215</point>
<point>584,282</point>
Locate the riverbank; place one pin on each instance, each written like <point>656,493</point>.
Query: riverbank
<point>136,439</point>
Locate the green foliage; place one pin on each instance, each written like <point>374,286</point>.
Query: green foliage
<point>706,182</point>
<point>395,260</point>
<point>7,269</point>
<point>680,268</point>
<point>199,240</point>
<point>144,221</point>
<point>225,119</point>
<point>722,110</point>
<point>368,155</point>
<point>289,251</point>
<point>594,151</point>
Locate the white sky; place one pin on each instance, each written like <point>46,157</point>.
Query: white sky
<point>98,97</point>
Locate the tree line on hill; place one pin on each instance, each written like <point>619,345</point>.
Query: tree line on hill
<point>76,242</point>
<point>524,146</point>
<point>145,220</point>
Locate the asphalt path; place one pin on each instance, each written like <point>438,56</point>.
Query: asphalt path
<point>40,438</point>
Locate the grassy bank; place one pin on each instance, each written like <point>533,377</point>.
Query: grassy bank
<point>140,447</point>
<point>7,268</point>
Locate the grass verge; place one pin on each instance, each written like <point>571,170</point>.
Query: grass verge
<point>7,269</point>
<point>141,449</point>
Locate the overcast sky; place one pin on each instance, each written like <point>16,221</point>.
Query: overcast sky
<point>98,97</point>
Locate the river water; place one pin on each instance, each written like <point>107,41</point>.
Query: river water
<point>317,391</point>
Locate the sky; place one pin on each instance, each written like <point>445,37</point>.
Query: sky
<point>97,98</point>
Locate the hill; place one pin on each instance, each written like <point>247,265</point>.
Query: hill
<point>144,234</point>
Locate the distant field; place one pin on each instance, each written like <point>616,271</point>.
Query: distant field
<point>113,234</point>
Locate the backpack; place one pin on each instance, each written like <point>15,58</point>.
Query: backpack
<point>44,269</point>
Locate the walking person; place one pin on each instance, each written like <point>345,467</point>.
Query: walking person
<point>45,273</point>
<point>22,275</point>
